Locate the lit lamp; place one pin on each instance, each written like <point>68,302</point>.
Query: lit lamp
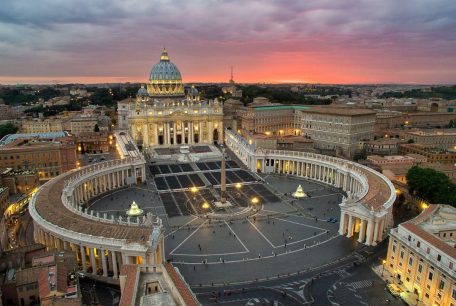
<point>205,206</point>
<point>134,210</point>
<point>238,185</point>
<point>194,189</point>
<point>255,201</point>
<point>383,264</point>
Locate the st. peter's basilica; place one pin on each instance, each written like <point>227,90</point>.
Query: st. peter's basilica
<point>165,114</point>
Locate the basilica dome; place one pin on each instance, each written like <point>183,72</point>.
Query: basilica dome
<point>165,78</point>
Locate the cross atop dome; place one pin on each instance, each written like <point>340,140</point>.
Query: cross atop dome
<point>164,56</point>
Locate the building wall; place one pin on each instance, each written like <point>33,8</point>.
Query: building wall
<point>49,159</point>
<point>331,131</point>
<point>433,156</point>
<point>409,263</point>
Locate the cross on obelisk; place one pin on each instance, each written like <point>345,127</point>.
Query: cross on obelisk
<point>223,178</point>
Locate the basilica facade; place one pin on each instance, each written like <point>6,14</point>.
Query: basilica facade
<point>166,114</point>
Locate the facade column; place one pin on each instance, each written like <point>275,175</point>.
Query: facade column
<point>114,264</point>
<point>343,221</point>
<point>174,133</point>
<point>350,226</point>
<point>376,232</point>
<point>104,264</point>
<point>83,258</point>
<point>93,263</point>
<point>370,228</point>
<point>362,231</point>
<point>109,260</point>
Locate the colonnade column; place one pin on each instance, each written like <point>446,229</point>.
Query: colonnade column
<point>114,264</point>
<point>343,221</point>
<point>370,228</point>
<point>83,258</point>
<point>93,263</point>
<point>375,232</point>
<point>350,226</point>
<point>362,231</point>
<point>103,262</point>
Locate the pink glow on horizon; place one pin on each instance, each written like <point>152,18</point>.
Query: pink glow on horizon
<point>312,41</point>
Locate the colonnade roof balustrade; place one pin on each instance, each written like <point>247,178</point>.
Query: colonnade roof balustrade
<point>380,192</point>
<point>48,210</point>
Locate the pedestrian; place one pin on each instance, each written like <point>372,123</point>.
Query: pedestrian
<point>194,268</point>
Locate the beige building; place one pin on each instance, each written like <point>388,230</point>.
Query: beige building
<point>262,117</point>
<point>338,128</point>
<point>442,139</point>
<point>50,154</point>
<point>42,125</point>
<point>421,256</point>
<point>164,115</point>
<point>433,154</point>
<point>383,146</point>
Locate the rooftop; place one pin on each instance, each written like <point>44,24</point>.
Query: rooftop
<point>340,110</point>
<point>49,206</point>
<point>275,107</point>
<point>12,137</point>
<point>436,218</point>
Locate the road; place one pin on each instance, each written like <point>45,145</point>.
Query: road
<point>349,282</point>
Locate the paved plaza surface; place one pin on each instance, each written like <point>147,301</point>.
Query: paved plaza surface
<point>284,236</point>
<point>284,250</point>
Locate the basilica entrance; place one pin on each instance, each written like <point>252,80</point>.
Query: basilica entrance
<point>196,138</point>
<point>160,139</point>
<point>179,139</point>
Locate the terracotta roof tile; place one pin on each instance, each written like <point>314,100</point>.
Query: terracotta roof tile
<point>181,286</point>
<point>129,292</point>
<point>414,227</point>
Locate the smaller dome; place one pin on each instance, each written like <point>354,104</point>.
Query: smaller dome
<point>192,91</point>
<point>142,91</point>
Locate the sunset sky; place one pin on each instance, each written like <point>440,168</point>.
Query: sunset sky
<point>322,41</point>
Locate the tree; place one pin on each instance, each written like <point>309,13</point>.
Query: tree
<point>7,128</point>
<point>432,186</point>
<point>96,128</point>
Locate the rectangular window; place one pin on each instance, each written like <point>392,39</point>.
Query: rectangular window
<point>441,284</point>
<point>453,294</point>
<point>439,257</point>
<point>420,268</point>
<point>430,276</point>
<point>418,244</point>
<point>410,261</point>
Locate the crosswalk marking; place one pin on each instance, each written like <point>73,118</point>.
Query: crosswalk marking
<point>361,284</point>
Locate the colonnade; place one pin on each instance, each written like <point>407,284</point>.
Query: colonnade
<point>96,252</point>
<point>369,230</point>
<point>100,184</point>
<point>361,212</point>
<point>102,261</point>
<point>319,171</point>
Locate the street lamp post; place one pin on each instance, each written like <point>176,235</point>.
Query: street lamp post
<point>383,264</point>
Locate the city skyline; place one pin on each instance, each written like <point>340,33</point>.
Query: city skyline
<point>353,42</point>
